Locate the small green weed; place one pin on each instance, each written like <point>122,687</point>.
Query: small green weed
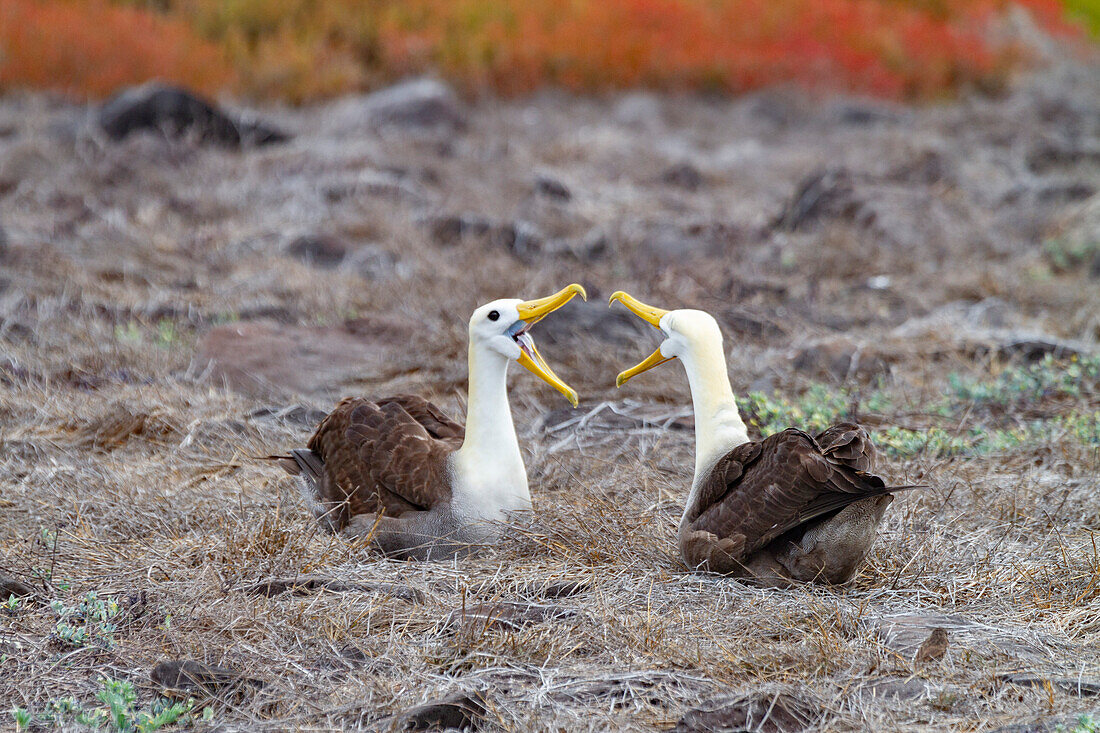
<point>1031,382</point>
<point>22,718</point>
<point>89,622</point>
<point>130,332</point>
<point>117,712</point>
<point>821,406</point>
<point>1066,256</point>
<point>1085,724</point>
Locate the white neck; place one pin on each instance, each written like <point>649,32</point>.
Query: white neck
<point>489,474</point>
<point>718,424</point>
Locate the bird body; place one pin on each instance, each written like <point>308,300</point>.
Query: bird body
<point>401,473</point>
<point>792,506</point>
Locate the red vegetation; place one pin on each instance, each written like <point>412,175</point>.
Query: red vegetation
<point>902,48</point>
<point>91,48</point>
<point>301,49</point>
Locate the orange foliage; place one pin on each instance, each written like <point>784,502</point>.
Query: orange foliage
<point>896,49</point>
<point>303,49</point>
<point>91,48</point>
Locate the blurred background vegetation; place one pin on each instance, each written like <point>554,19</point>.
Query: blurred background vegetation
<point>302,50</point>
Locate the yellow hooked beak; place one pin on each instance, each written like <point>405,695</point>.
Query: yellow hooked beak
<point>531,312</point>
<point>649,314</point>
<point>534,311</point>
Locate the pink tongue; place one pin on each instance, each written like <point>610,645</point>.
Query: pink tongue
<point>524,342</point>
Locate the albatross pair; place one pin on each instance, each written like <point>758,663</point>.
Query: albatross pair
<point>789,507</point>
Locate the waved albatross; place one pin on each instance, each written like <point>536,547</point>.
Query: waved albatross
<point>792,506</point>
<point>417,483</point>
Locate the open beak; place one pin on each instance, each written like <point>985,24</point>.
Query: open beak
<point>530,313</point>
<point>650,315</point>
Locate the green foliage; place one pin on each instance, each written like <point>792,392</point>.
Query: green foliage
<point>1086,11</point>
<point>22,718</point>
<point>118,712</point>
<point>816,409</point>
<point>89,622</point>
<point>167,335</point>
<point>1030,383</point>
<point>130,332</point>
<point>1085,724</point>
<point>821,406</point>
<point>1069,256</point>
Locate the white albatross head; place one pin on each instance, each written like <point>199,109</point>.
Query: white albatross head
<point>503,327</point>
<point>693,337</point>
<point>687,332</point>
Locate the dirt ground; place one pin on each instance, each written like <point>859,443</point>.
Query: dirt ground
<point>171,309</point>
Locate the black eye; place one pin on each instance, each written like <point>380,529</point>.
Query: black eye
<point>493,315</point>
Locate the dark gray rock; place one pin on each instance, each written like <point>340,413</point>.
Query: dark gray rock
<point>564,588</point>
<point>552,188</point>
<point>372,262</point>
<point>1053,153</point>
<point>320,250</point>
<point>417,103</point>
<point>10,586</point>
<point>522,239</point>
<point>504,616</point>
<point>1070,685</point>
<point>927,167</point>
<point>593,246</point>
<point>988,326</point>
<point>666,243</point>
<point>457,711</point>
<point>763,712</point>
<point>175,112</point>
<point>449,229</point>
<point>683,175</point>
<point>863,113</point>
<point>186,677</point>
<point>824,194</point>
<point>904,633</point>
<point>305,584</point>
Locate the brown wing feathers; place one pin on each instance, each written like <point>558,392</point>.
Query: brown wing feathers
<point>387,456</point>
<point>430,417</point>
<point>850,444</point>
<point>761,490</point>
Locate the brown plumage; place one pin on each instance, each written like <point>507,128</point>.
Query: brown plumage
<point>405,477</point>
<point>385,457</point>
<point>792,506</point>
<point>789,506</point>
<point>933,648</point>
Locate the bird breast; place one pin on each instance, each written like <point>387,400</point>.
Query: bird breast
<point>489,490</point>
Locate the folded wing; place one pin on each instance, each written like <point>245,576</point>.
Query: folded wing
<point>763,489</point>
<point>388,456</point>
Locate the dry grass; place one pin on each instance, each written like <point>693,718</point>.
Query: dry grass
<point>125,468</point>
